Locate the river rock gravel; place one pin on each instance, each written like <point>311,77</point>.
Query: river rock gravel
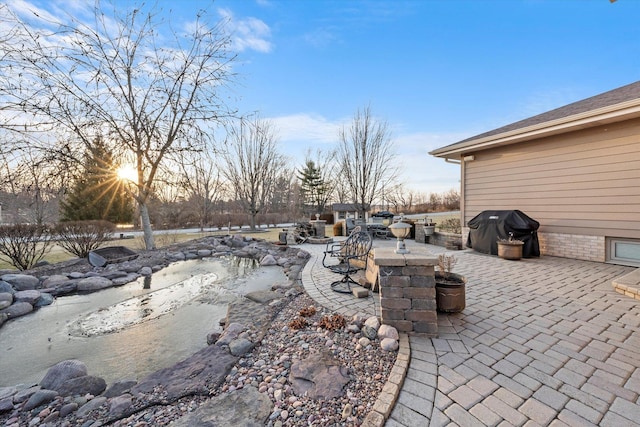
<point>267,368</point>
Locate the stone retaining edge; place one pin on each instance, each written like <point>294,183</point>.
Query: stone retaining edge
<point>391,390</point>
<point>628,285</point>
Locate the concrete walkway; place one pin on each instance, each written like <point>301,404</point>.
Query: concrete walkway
<point>542,341</point>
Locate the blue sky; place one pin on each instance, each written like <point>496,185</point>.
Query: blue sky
<point>437,71</point>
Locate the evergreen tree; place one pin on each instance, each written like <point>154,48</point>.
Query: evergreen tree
<point>98,193</point>
<point>313,190</point>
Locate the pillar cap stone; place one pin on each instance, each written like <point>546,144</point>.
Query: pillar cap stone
<point>417,257</point>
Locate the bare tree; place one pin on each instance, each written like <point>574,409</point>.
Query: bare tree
<point>23,245</point>
<point>119,76</point>
<point>400,199</point>
<point>435,201</point>
<point>200,179</point>
<point>366,158</point>
<point>283,203</point>
<point>451,199</point>
<point>31,186</point>
<point>341,193</point>
<point>252,164</point>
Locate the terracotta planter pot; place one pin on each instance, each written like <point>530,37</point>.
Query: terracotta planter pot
<point>510,250</point>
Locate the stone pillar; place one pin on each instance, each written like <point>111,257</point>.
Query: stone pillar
<point>407,290</point>
<point>420,236</point>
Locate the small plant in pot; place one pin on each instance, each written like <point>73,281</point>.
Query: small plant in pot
<point>429,227</point>
<point>450,287</point>
<point>510,248</point>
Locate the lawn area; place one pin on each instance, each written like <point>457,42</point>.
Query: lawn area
<point>57,254</point>
<point>167,238</point>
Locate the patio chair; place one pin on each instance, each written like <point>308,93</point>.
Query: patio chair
<point>353,255</point>
<point>334,249</point>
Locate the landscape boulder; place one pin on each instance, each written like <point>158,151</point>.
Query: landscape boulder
<point>6,299</point>
<point>21,282</point>
<point>387,331</point>
<point>240,346</point>
<point>389,344</point>
<point>38,398</point>
<point>6,287</point>
<point>17,309</point>
<point>30,296</point>
<point>87,384</point>
<point>61,372</point>
<point>268,260</point>
<point>45,299</point>
<point>372,322</point>
<point>230,333</point>
<point>120,387</point>
<point>242,408</point>
<point>319,376</point>
<point>54,280</point>
<point>94,283</point>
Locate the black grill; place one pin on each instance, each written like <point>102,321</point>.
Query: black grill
<point>488,227</point>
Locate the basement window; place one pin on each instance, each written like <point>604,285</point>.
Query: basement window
<point>624,252</point>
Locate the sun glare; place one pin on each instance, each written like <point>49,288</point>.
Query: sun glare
<point>127,173</point>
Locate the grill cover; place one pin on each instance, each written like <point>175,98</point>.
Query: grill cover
<point>488,227</point>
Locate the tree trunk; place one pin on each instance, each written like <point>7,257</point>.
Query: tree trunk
<point>149,242</point>
<point>253,221</point>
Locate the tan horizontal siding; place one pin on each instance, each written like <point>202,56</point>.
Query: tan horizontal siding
<point>543,174</point>
<point>622,195</point>
<point>574,210</point>
<point>596,162</point>
<point>587,183</point>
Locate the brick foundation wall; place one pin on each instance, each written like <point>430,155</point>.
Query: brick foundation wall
<point>587,248</point>
<point>574,246</point>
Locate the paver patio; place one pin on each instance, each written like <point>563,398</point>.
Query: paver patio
<point>542,341</point>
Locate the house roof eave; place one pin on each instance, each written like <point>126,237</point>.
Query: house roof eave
<point>610,114</point>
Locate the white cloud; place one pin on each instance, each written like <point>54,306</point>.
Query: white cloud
<point>306,127</point>
<point>320,37</point>
<point>420,171</point>
<point>29,12</point>
<point>249,33</point>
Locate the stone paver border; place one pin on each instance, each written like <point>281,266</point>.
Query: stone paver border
<point>391,390</point>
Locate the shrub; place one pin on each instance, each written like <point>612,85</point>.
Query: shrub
<point>450,225</point>
<point>308,311</point>
<point>337,228</point>
<point>81,237</point>
<point>298,323</point>
<point>446,263</point>
<point>333,323</point>
<point>24,244</point>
